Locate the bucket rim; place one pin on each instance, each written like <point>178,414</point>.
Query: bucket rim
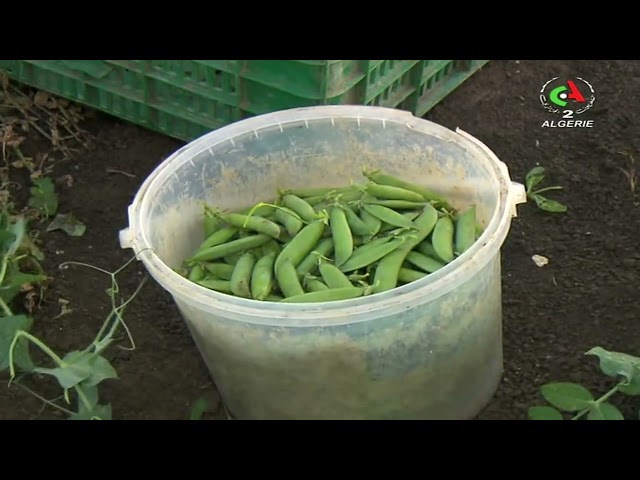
<point>333,313</point>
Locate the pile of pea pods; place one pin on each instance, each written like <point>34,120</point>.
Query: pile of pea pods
<point>328,244</point>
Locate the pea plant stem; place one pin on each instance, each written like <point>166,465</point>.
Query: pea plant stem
<point>7,311</point>
<point>545,189</point>
<point>83,397</point>
<point>602,399</point>
<point>3,271</point>
<point>21,333</point>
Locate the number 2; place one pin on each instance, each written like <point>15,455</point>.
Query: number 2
<point>567,114</point>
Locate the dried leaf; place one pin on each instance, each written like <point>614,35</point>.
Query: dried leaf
<point>15,141</point>
<point>41,98</point>
<point>68,223</point>
<point>540,260</point>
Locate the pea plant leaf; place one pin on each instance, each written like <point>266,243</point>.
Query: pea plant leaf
<point>101,370</point>
<point>198,409</point>
<point>13,284</point>
<point>569,397</point>
<point>75,368</point>
<point>19,230</point>
<point>534,177</point>
<point>604,411</point>
<point>7,238</point>
<point>548,205</point>
<point>99,412</point>
<point>90,393</point>
<point>615,364</point>
<point>43,196</point>
<point>544,413</point>
<point>8,328</point>
<point>69,224</point>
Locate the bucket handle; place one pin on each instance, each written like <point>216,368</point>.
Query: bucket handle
<point>517,191</point>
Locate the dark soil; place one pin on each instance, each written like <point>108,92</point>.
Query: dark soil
<point>586,296</point>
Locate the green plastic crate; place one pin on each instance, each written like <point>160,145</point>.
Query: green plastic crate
<point>188,98</point>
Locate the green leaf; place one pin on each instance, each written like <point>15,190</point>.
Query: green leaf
<point>614,364</point>
<point>534,177</point>
<point>544,413</point>
<point>198,409</point>
<point>81,366</point>
<point>32,249</point>
<point>91,392</point>
<point>19,230</point>
<point>69,224</point>
<point>569,397</point>
<point>7,238</point>
<point>43,196</point>
<point>604,411</point>
<point>101,370</point>
<point>76,367</point>
<point>549,205</point>
<point>631,388</point>
<point>8,328</point>
<point>15,282</point>
<point>99,412</point>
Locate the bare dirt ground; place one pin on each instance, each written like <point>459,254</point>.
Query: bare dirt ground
<point>586,296</point>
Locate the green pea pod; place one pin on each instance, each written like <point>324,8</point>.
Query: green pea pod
<point>274,298</point>
<point>232,259</point>
<point>423,262</point>
<point>235,246</point>
<point>262,277</point>
<point>388,216</point>
<point>196,273</point>
<point>465,230</point>
<point>341,234</point>
<point>389,192</point>
<point>301,207</point>
<point>333,277</point>
<point>288,280</point>
<point>289,219</point>
<point>255,224</point>
<point>408,275</point>
<point>397,204</point>
<point>374,223</point>
<point>382,178</point>
<point>363,256</point>
<point>316,285</point>
<point>387,273</point>
<point>220,270</point>
<point>357,225</point>
<point>442,239</point>
<point>218,237</point>
<point>222,286</point>
<point>310,263</point>
<point>426,248</point>
<point>330,295</point>
<point>210,224</point>
<point>410,215</point>
<point>241,277</point>
<point>302,244</point>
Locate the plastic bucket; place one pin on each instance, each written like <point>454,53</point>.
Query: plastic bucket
<point>431,349</point>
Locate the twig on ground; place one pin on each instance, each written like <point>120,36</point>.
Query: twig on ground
<point>112,170</point>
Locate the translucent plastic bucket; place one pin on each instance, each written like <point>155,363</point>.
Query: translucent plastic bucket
<point>431,349</point>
